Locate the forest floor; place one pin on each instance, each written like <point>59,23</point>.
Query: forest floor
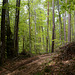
<point>61,62</point>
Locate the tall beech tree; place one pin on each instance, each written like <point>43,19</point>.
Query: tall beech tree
<point>60,24</point>
<point>65,27</point>
<point>35,32</point>
<point>47,38</point>
<point>23,44</point>
<point>53,31</point>
<point>69,26</point>
<point>9,41</point>
<point>2,56</point>
<point>16,27</point>
<point>29,26</point>
<point>43,35</point>
<point>74,25</point>
<point>65,39</point>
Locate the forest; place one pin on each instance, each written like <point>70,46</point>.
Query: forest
<point>37,37</point>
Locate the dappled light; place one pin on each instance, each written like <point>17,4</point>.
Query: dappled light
<point>37,37</point>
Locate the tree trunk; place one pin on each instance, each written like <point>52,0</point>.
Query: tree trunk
<point>16,27</point>
<point>53,32</point>
<point>47,38</point>
<point>2,56</point>
<point>65,39</point>
<point>74,25</point>
<point>65,27</point>
<point>23,43</point>
<point>72,34</point>
<point>43,37</point>
<point>69,27</point>
<point>60,24</point>
<point>35,33</point>
<point>9,41</point>
<point>29,28</point>
<point>39,38</point>
<point>49,44</point>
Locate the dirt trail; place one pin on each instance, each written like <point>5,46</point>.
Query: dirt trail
<point>28,66</point>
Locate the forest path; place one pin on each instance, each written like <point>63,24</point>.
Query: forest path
<point>28,66</point>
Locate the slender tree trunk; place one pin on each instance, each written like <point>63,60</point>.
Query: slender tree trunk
<point>35,33</point>
<point>72,34</point>
<point>47,38</point>
<point>65,27</point>
<point>43,37</point>
<point>53,32</point>
<point>29,28</point>
<point>16,27</point>
<point>65,39</point>
<point>60,24</point>
<point>23,43</point>
<point>2,56</point>
<point>49,44</point>
<point>74,25</point>
<point>69,27</point>
<point>39,38</point>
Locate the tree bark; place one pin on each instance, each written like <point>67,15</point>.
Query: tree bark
<point>39,38</point>
<point>74,25</point>
<point>2,56</point>
<point>16,27</point>
<point>65,39</point>
<point>53,32</point>
<point>65,27</point>
<point>35,33</point>
<point>43,37</point>
<point>60,23</point>
<point>69,27</point>
<point>29,27</point>
<point>23,44</point>
<point>47,38</point>
<point>9,40</point>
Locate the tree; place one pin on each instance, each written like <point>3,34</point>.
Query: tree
<point>43,36</point>
<point>74,25</point>
<point>60,23</point>
<point>53,32</point>
<point>69,26</point>
<point>16,27</point>
<point>29,27</point>
<point>47,38</point>
<point>65,25</point>
<point>35,32</point>
<point>9,40</point>
<point>2,58</point>
<point>23,44</point>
